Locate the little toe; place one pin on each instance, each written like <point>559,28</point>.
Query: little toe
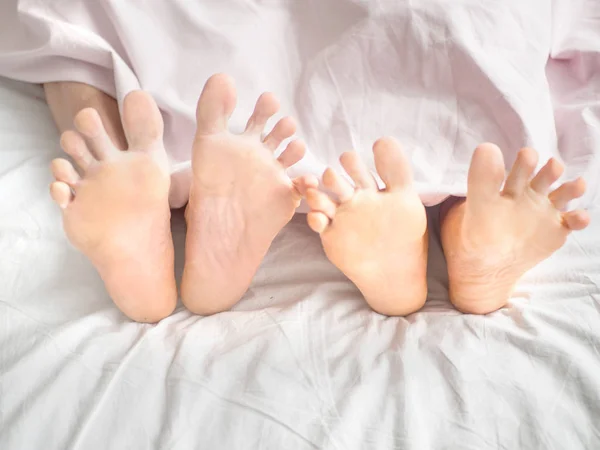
<point>282,130</point>
<point>142,121</point>
<point>317,221</point>
<point>266,106</point>
<point>293,153</point>
<point>61,193</point>
<point>547,176</point>
<point>391,164</point>
<point>576,220</point>
<point>215,106</point>
<point>89,124</point>
<point>64,171</point>
<point>521,172</point>
<point>571,190</point>
<point>340,187</point>
<point>357,170</point>
<point>75,146</point>
<point>321,202</point>
<point>486,173</point>
<point>304,183</point>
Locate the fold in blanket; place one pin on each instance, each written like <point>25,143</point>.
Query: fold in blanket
<point>441,77</point>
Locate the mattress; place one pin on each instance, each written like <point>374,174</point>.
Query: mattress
<point>300,363</point>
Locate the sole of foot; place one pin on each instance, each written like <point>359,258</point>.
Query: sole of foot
<point>117,211</point>
<point>240,198</point>
<point>497,234</point>
<point>377,238</point>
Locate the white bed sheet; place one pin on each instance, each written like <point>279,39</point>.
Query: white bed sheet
<point>300,363</point>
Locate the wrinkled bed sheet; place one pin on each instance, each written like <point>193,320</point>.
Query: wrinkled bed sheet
<point>300,363</point>
<point>440,76</point>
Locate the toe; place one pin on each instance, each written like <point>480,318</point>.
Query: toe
<point>321,202</point>
<point>216,104</point>
<point>340,187</point>
<point>89,124</point>
<point>61,193</point>
<point>284,129</point>
<point>576,220</point>
<point>568,191</point>
<point>358,171</point>
<point>293,153</point>
<point>547,175</point>
<point>142,121</point>
<point>63,171</point>
<point>266,106</point>
<point>521,172</point>
<point>486,173</point>
<point>391,163</point>
<point>75,146</point>
<point>304,183</point>
<point>317,221</point>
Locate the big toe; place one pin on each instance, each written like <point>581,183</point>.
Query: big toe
<point>216,104</point>
<point>486,173</point>
<point>142,121</point>
<point>391,163</point>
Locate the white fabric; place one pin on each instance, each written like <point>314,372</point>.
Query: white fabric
<point>440,76</point>
<point>301,363</point>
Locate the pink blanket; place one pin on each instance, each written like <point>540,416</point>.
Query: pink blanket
<point>440,76</point>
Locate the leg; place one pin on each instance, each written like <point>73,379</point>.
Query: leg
<point>117,213</point>
<point>494,237</point>
<point>378,239</point>
<point>66,99</point>
<point>240,198</point>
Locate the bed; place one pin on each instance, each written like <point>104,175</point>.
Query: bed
<point>300,363</point>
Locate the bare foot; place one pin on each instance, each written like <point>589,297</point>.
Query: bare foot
<point>378,239</point>
<point>240,198</point>
<point>118,214</point>
<point>494,237</point>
